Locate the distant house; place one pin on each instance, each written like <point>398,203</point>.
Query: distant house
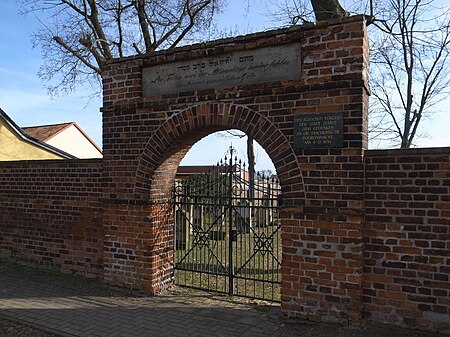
<point>203,196</point>
<point>15,144</point>
<point>68,137</point>
<point>184,172</point>
<point>57,141</point>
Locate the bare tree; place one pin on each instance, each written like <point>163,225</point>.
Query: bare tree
<point>251,157</point>
<point>409,54</point>
<point>78,36</point>
<point>409,68</point>
<point>295,11</point>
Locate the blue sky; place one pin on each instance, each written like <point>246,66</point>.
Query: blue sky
<point>24,99</point>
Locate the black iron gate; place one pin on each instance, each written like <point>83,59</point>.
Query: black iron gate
<point>227,231</point>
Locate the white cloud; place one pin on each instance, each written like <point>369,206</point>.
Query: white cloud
<point>17,101</point>
<point>7,71</point>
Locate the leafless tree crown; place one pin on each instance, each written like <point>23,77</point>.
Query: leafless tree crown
<point>409,68</point>
<point>409,60</point>
<point>78,36</point>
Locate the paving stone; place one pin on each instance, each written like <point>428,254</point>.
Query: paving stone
<point>71,310</point>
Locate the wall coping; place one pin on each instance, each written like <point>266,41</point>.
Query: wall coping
<point>406,152</point>
<point>230,41</point>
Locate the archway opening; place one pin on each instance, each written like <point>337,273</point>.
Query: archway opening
<point>156,173</point>
<point>227,227</point>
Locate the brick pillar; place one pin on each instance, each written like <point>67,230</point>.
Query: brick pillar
<point>322,264</point>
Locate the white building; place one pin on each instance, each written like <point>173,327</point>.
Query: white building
<point>68,137</point>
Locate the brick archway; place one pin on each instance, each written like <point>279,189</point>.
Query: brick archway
<point>167,146</point>
<point>148,130</point>
<point>170,142</point>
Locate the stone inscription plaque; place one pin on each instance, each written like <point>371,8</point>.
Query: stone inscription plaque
<point>239,68</point>
<point>319,131</point>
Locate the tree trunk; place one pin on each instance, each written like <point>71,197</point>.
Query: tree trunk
<point>328,9</point>
<point>251,167</point>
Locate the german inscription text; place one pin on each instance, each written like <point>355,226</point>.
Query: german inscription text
<point>239,68</point>
<point>316,131</point>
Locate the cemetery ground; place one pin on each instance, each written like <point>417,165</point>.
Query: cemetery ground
<point>35,303</point>
<point>256,256</point>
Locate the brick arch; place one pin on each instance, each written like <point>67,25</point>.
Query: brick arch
<point>172,140</point>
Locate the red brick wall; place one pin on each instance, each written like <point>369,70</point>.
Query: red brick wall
<point>406,237</point>
<point>365,233</point>
<point>51,216</point>
<point>146,137</point>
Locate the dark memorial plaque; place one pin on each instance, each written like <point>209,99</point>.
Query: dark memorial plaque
<point>319,130</point>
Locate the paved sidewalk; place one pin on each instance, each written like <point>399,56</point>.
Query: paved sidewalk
<point>71,306</point>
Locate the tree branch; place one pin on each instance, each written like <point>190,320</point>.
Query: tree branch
<point>75,53</point>
<point>142,16</point>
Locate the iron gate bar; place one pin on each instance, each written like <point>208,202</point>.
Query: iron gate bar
<point>218,260</point>
<point>226,241</point>
<point>230,226</point>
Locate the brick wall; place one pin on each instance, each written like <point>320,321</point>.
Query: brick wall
<point>51,216</point>
<point>406,236</point>
<point>364,233</point>
<point>146,137</point>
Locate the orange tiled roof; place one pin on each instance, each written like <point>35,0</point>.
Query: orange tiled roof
<point>194,169</point>
<point>33,140</point>
<point>45,132</point>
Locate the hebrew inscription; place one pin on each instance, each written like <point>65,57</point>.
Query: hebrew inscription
<point>318,131</point>
<point>239,68</point>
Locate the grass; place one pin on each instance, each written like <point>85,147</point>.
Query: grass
<point>204,262</point>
